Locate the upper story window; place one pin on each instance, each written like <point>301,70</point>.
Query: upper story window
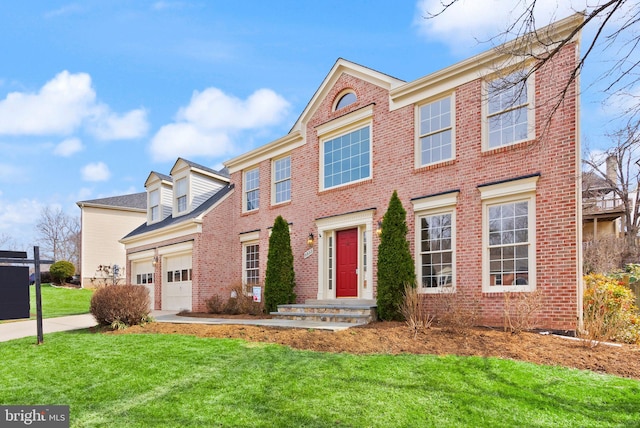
<point>347,158</point>
<point>345,100</point>
<point>282,180</point>
<point>509,112</point>
<point>436,132</point>
<point>181,195</point>
<point>154,205</point>
<point>252,190</point>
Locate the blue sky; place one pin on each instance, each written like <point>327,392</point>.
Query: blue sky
<point>94,95</point>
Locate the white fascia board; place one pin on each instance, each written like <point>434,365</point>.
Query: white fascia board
<point>273,149</point>
<point>486,63</point>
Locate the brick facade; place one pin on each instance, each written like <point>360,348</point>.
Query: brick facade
<point>553,157</point>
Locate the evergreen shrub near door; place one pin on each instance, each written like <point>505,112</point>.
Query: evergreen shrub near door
<point>280,279</point>
<point>395,264</point>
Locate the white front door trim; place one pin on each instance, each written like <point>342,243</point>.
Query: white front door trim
<point>363,221</point>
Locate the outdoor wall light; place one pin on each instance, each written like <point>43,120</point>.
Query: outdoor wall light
<point>155,260</point>
<point>379,229</point>
<point>310,240</point>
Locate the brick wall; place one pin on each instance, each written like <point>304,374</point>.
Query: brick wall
<point>218,251</point>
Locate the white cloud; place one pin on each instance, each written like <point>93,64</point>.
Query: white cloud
<point>68,147</point>
<point>58,108</point>
<point>96,171</point>
<point>208,125</point>
<point>468,21</point>
<point>10,173</point>
<point>83,194</point>
<point>164,5</point>
<point>15,215</point>
<point>111,126</point>
<point>62,106</point>
<point>70,9</point>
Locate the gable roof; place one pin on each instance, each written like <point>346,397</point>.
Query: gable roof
<point>344,66</point>
<point>171,220</point>
<point>134,202</point>
<point>223,174</point>
<point>162,177</point>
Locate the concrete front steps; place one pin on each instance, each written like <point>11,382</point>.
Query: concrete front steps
<point>351,311</point>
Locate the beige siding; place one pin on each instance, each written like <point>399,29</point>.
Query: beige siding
<point>101,230</point>
<point>166,200</point>
<point>203,188</point>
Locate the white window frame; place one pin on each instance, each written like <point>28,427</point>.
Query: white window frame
<point>275,181</point>
<point>246,190</point>
<point>529,106</point>
<point>338,127</point>
<point>245,269</point>
<point>157,206</point>
<point>519,190</point>
<point>179,196</point>
<point>430,206</point>
<point>420,135</point>
<point>339,98</point>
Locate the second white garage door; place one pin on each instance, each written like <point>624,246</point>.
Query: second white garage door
<point>176,284</point>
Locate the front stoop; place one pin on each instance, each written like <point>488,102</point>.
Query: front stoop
<point>350,311</point>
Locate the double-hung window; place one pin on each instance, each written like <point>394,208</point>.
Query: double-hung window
<point>181,195</point>
<point>435,132</point>
<point>252,190</point>
<point>509,262</point>
<point>509,243</point>
<point>251,271</point>
<point>154,205</point>
<point>509,111</point>
<point>435,241</point>
<point>282,179</point>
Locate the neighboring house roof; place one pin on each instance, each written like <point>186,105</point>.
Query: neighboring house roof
<point>595,183</point>
<point>171,220</point>
<point>134,201</point>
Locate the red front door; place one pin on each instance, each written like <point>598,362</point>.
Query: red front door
<point>347,263</point>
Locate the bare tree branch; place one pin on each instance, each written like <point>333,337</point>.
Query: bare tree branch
<point>622,77</point>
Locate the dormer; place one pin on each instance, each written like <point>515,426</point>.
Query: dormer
<point>159,197</point>
<point>193,184</point>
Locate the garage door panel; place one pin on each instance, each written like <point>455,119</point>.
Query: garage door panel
<point>143,274</point>
<point>177,288</point>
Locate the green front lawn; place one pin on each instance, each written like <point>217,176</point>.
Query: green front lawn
<point>59,302</point>
<point>183,381</point>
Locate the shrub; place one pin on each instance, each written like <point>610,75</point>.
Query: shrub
<point>458,310</point>
<point>279,280</point>
<point>395,264</point>
<point>61,270</point>
<point>520,310</point>
<point>604,255</point>
<point>45,277</point>
<point>414,311</point>
<point>238,303</point>
<point>214,304</point>
<point>120,305</point>
<point>609,311</point>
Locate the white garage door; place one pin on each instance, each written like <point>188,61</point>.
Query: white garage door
<point>176,284</point>
<point>142,274</point>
